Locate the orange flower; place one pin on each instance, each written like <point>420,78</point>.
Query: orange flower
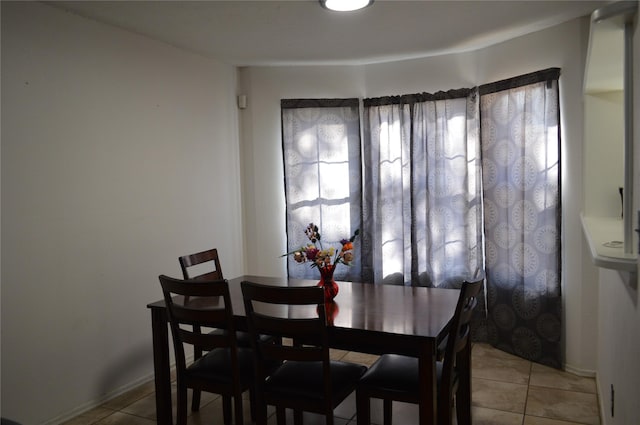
<point>347,258</point>
<point>347,246</point>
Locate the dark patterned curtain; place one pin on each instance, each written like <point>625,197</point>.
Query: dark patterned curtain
<point>521,179</point>
<point>323,183</point>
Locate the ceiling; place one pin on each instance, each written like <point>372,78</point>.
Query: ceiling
<point>300,32</point>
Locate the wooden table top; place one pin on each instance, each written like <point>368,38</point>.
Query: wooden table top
<point>362,311</point>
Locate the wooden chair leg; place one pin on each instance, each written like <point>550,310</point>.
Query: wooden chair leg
<point>463,410</point>
<point>387,411</point>
<point>195,402</point>
<point>297,417</point>
<point>363,408</point>
<point>260,409</point>
<point>252,404</point>
<point>463,392</point>
<point>281,417</point>
<point>226,409</point>
<point>197,353</point>
<point>328,418</point>
<point>237,403</point>
<point>445,412</point>
<point>181,405</point>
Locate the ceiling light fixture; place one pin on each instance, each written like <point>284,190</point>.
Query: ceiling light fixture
<point>345,5</point>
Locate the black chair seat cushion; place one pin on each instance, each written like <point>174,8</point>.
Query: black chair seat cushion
<point>215,366</point>
<point>303,380</point>
<point>395,373</point>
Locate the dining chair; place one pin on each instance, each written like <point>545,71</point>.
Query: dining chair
<point>395,377</point>
<point>304,378</point>
<point>226,368</point>
<point>205,265</point>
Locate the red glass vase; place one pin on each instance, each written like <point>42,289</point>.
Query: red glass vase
<point>331,309</point>
<point>330,286</point>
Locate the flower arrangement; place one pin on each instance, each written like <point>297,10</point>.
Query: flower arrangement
<point>320,257</point>
<point>325,260</point>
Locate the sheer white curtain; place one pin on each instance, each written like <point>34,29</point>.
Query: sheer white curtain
<point>323,185</point>
<point>422,217</point>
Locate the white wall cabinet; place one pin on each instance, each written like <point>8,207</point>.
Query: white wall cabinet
<point>607,217</point>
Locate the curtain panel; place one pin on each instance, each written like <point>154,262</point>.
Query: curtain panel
<point>323,177</point>
<point>422,212</point>
<point>521,177</point>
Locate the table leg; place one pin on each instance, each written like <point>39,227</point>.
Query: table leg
<point>428,385</point>
<point>161,366</point>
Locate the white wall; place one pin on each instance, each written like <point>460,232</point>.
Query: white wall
<point>263,176</point>
<point>604,153</point>
<point>118,155</point>
<point>563,46</point>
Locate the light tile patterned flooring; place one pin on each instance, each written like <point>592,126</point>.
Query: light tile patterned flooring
<point>507,390</point>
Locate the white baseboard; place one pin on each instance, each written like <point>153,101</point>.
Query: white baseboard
<point>580,372</point>
<point>590,374</point>
<point>77,411</point>
<point>92,404</point>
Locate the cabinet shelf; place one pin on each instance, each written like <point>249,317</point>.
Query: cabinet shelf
<point>605,238</point>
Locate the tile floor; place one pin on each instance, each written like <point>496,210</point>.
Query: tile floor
<point>507,390</point>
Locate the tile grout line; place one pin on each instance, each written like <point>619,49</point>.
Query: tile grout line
<point>526,397</point>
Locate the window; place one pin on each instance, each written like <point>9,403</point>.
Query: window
<point>321,146</point>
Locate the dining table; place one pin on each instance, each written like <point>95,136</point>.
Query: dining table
<point>363,317</point>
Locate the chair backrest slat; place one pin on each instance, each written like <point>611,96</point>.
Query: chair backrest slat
<point>202,316</point>
<point>289,328</point>
<point>187,262</point>
<point>204,340</point>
